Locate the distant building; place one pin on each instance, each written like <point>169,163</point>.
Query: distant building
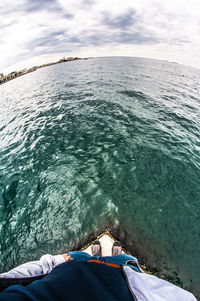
<point>32,69</point>
<point>12,75</point>
<point>70,59</point>
<point>62,60</point>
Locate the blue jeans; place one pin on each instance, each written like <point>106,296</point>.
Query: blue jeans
<point>122,259</point>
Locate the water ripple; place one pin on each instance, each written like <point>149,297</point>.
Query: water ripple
<point>105,140</point>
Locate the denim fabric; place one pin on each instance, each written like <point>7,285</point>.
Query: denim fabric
<point>122,259</point>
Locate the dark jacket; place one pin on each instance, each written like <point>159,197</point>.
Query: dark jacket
<point>74,281</point>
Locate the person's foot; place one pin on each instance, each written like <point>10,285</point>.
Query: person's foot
<point>116,248</point>
<point>96,248</point>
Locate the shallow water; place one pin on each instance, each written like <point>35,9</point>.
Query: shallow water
<point>103,140</point>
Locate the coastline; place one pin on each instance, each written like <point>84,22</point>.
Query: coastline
<point>5,78</point>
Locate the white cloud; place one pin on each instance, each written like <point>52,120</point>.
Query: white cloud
<point>34,30</point>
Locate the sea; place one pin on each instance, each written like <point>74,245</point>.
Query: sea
<point>104,141</point>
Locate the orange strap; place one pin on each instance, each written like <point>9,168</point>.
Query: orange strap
<point>106,263</point>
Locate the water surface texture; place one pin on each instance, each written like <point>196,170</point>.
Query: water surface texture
<point>103,140</point>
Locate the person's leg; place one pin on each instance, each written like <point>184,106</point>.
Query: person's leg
<point>79,256</point>
<point>120,259</point>
<point>83,256</point>
<point>126,257</point>
<point>123,259</point>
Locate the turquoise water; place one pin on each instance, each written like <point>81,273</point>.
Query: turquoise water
<point>105,140</point>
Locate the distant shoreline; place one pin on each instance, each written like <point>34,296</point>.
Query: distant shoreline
<point>5,78</point>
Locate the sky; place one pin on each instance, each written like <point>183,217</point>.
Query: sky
<point>33,32</point>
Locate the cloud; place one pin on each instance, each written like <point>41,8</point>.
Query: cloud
<point>88,2</point>
<point>53,42</point>
<point>49,40</point>
<point>122,21</point>
<point>169,30</point>
<point>119,38</point>
<point>7,24</point>
<point>136,38</point>
<point>38,5</point>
